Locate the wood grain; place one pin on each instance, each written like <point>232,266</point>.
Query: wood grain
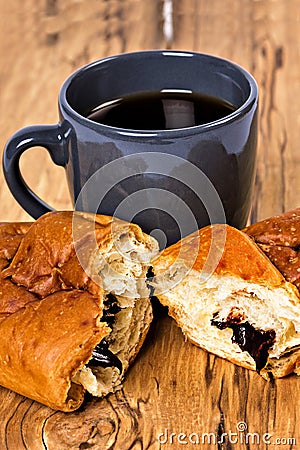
<point>173,387</point>
<point>263,36</point>
<point>41,43</point>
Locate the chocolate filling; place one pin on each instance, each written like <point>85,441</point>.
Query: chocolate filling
<point>150,277</point>
<point>256,342</point>
<point>111,308</point>
<point>101,355</point>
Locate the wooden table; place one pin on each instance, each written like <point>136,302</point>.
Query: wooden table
<point>173,387</point>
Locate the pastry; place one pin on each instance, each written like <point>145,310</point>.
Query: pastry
<point>74,305</point>
<point>279,238</point>
<point>230,299</point>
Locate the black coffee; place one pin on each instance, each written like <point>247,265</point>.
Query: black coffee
<point>161,110</point>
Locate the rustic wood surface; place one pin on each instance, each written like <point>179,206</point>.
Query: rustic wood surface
<point>173,387</point>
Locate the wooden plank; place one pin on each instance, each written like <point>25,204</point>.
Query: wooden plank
<point>41,43</point>
<point>262,36</point>
<point>274,57</point>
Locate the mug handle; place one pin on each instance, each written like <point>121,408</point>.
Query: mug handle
<point>53,138</point>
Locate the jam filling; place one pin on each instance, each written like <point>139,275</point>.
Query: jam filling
<point>256,342</point>
<point>101,355</point>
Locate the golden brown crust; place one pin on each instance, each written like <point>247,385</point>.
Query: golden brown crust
<point>279,238</point>
<point>236,254</point>
<point>45,337</point>
<point>41,255</point>
<point>46,260</point>
<point>43,344</point>
<point>13,297</point>
<point>283,229</point>
<point>50,309</point>
<point>286,365</point>
<point>11,235</point>
<point>244,278</point>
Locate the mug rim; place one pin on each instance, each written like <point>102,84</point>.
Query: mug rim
<point>245,107</point>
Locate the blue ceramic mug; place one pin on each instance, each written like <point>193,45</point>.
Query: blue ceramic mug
<point>193,166</point>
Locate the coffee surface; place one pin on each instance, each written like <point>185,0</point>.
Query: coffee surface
<point>167,109</point>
